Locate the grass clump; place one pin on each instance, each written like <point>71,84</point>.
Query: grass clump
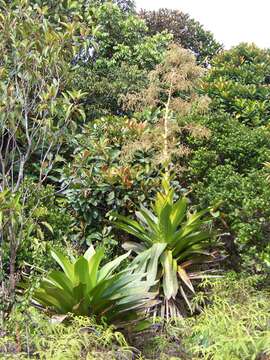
<point>236,323</point>
<point>31,335</point>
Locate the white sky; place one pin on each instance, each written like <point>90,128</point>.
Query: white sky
<point>231,21</point>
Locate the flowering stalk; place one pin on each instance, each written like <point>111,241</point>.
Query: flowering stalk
<point>166,129</point>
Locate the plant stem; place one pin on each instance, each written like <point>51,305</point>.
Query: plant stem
<point>166,129</point>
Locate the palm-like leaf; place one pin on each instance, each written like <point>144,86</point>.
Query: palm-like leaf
<point>169,236</point>
<point>86,288</point>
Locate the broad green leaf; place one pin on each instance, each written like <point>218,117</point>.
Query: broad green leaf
<point>198,237</point>
<point>65,264</point>
<point>154,260</point>
<point>43,298</point>
<point>81,271</point>
<point>165,226</point>
<point>178,212</point>
<point>61,280</point>
<point>62,297</point>
<point>126,220</point>
<point>149,214</point>
<point>93,265</point>
<point>109,268</point>
<point>140,235</point>
<point>159,203</point>
<point>89,253</point>
<point>148,219</point>
<point>193,251</point>
<point>166,183</point>
<point>192,218</point>
<point>170,283</point>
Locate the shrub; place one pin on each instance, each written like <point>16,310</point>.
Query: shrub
<point>101,178</point>
<point>171,241</point>
<point>244,201</point>
<point>85,288</point>
<point>117,60</point>
<point>238,83</point>
<point>228,167</point>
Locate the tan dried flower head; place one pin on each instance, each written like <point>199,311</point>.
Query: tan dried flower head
<point>202,104</point>
<point>178,73</point>
<point>198,131</point>
<point>171,88</point>
<point>180,106</point>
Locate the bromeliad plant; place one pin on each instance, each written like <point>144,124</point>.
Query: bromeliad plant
<point>85,288</point>
<point>172,239</point>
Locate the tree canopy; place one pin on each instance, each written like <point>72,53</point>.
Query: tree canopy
<point>186,32</point>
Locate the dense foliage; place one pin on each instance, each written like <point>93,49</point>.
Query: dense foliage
<point>37,111</point>
<point>237,309</point>
<point>229,166</point>
<point>186,32</point>
<point>239,84</point>
<point>117,59</point>
<point>99,108</point>
<point>172,239</point>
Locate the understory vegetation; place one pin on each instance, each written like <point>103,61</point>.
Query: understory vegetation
<point>134,186</point>
<point>234,324</point>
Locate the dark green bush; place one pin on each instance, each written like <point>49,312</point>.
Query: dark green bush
<point>228,167</point>
<point>244,201</point>
<point>238,83</point>
<point>100,179</point>
<point>123,55</point>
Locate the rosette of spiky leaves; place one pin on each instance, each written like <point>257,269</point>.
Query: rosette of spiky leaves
<point>85,288</point>
<point>171,239</point>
